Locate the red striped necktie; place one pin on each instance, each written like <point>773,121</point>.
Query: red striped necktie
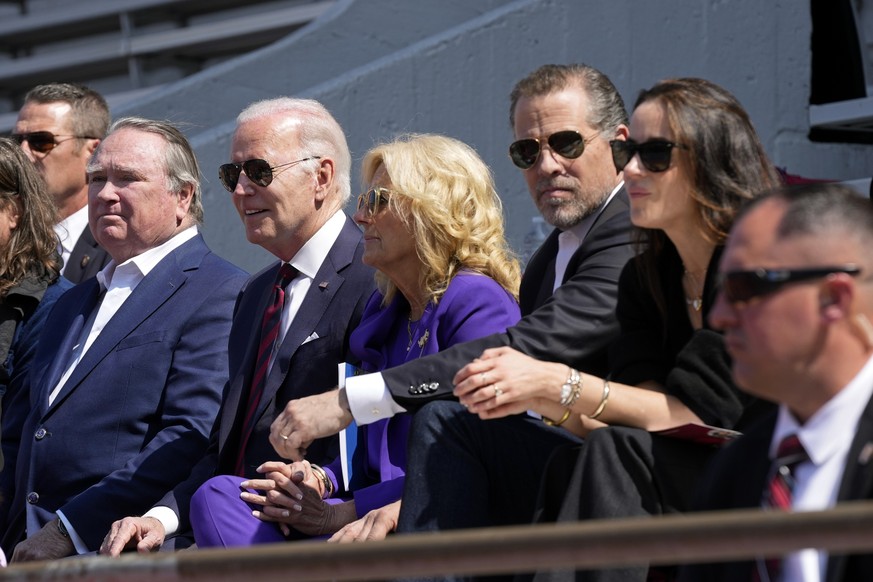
<point>778,495</point>
<point>270,325</point>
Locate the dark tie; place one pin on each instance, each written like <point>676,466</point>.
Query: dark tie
<point>778,494</point>
<point>269,333</point>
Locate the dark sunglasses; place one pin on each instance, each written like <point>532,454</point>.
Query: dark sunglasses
<point>373,199</point>
<point>569,144</point>
<point>45,141</point>
<point>742,286</point>
<point>655,154</point>
<point>259,171</point>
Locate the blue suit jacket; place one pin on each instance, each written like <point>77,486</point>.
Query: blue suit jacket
<point>135,414</point>
<point>331,310</point>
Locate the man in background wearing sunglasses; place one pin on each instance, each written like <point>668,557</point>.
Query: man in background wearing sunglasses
<point>289,179</point>
<point>58,127</point>
<point>795,305</point>
<point>563,117</point>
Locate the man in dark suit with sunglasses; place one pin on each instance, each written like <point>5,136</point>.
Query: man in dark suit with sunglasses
<point>58,127</point>
<point>289,186</point>
<point>563,118</point>
<point>795,306</point>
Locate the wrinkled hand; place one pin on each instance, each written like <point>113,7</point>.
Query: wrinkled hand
<point>306,419</point>
<point>46,544</point>
<point>291,496</point>
<point>503,381</point>
<point>376,525</point>
<point>146,534</point>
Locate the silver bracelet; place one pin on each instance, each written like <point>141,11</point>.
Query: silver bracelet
<point>571,389</point>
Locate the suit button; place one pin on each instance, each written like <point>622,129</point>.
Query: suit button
<point>40,433</point>
<point>32,497</point>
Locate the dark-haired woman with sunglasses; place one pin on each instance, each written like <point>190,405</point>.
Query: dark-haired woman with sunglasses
<point>30,283</point>
<point>433,230</point>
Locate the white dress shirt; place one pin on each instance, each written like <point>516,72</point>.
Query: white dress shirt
<point>68,232</point>
<point>827,437</point>
<point>369,397</point>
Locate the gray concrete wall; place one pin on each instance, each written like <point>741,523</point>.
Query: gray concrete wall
<point>388,66</point>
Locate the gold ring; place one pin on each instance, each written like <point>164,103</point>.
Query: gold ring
<point>284,437</point>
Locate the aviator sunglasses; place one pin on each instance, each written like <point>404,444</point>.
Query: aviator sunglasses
<point>45,141</point>
<point>568,144</point>
<point>373,199</point>
<point>742,286</point>
<point>258,171</point>
<point>655,154</point>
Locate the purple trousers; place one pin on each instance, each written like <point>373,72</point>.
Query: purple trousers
<point>221,519</point>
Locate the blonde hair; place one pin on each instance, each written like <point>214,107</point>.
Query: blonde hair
<point>445,194</point>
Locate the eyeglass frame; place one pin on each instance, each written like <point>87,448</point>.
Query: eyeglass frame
<point>772,280</point>
<point>264,182</point>
<point>639,148</point>
<point>538,140</point>
<point>20,138</point>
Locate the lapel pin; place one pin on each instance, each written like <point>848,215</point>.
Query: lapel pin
<point>85,260</point>
<point>322,285</point>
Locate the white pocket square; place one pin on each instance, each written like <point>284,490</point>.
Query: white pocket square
<point>313,336</point>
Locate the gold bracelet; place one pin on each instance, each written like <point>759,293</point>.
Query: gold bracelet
<point>551,422</point>
<point>603,399</point>
<point>325,480</point>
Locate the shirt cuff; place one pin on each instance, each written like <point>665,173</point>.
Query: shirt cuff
<point>81,548</point>
<point>166,516</point>
<point>369,399</point>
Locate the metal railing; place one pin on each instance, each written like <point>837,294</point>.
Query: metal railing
<point>699,537</point>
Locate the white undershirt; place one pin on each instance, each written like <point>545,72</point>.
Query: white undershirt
<point>307,261</point>
<point>827,437</point>
<point>68,232</point>
<point>369,397</point>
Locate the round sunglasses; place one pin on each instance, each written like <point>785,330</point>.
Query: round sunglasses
<point>568,144</point>
<point>654,154</point>
<point>258,171</point>
<point>45,141</point>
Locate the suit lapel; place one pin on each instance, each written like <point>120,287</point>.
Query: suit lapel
<point>87,301</point>
<point>857,482</point>
<point>252,311</point>
<point>152,292</point>
<point>539,275</point>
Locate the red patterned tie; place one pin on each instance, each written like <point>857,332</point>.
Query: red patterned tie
<point>778,495</point>
<point>269,333</point>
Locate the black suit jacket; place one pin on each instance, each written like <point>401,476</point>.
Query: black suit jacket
<point>86,259</point>
<point>573,325</point>
<point>738,477</point>
<point>303,366</point>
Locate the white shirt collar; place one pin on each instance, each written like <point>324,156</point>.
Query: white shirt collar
<point>832,428</point>
<point>309,258</point>
<point>148,260</point>
<point>69,229</point>
<point>580,229</point>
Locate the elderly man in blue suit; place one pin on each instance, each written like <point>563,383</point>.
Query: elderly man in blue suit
<point>289,180</point>
<point>128,376</point>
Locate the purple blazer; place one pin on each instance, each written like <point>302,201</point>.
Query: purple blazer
<point>473,306</point>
